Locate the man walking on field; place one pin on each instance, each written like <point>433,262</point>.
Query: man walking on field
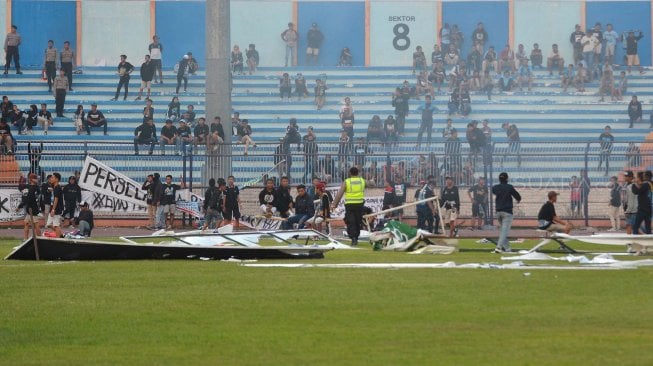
<point>504,193</point>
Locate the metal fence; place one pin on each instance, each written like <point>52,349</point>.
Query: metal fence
<point>538,165</point>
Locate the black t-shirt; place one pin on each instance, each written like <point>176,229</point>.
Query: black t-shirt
<point>450,198</point>
<point>231,196</point>
<point>57,192</point>
<point>479,193</point>
<point>267,197</point>
<point>643,198</point>
<point>168,131</point>
<point>169,194</point>
<point>547,213</point>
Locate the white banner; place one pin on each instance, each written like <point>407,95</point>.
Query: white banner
<point>98,177</point>
<point>104,205</point>
<point>260,223</point>
<point>9,201</point>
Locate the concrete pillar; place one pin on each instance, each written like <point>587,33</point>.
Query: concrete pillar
<point>218,83</point>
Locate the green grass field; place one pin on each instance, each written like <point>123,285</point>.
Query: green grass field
<point>218,313</point>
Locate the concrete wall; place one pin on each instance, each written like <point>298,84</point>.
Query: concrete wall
<point>181,27</point>
<point>112,28</point>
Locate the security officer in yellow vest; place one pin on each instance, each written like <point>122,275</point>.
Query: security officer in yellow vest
<point>353,188</point>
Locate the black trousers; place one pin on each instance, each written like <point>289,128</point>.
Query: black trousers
<point>60,101</point>
<point>179,79</point>
<point>354,219</point>
<point>50,72</point>
<point>124,81</point>
<point>68,69</point>
<point>425,126</point>
<point>12,52</point>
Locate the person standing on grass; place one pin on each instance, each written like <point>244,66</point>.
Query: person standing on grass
<point>629,201</point>
<point>615,204</point>
<point>56,209</point>
<point>353,189</point>
<point>213,199</point>
<point>169,199</point>
<point>231,204</point>
<point>478,194</point>
<point>30,201</point>
<point>642,189</point>
<point>72,196</point>
<point>147,74</point>
<point>450,205</point>
<point>504,194</point>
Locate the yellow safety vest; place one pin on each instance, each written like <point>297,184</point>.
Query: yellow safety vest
<point>354,190</point>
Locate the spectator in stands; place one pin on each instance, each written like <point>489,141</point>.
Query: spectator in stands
<point>184,137</point>
<point>314,39</point>
<point>451,58</point>
<point>547,218</point>
<point>6,138</point>
<point>347,113</point>
<point>31,119</point>
<point>576,41</point>
<point>148,68</point>
<point>634,111</point>
<point>390,130</point>
<point>60,90</point>
<point>457,38</point>
<point>245,135</point>
<point>607,85</point>
<point>201,132</point>
<point>183,69</point>
<point>237,61</point>
<point>285,87</point>
<point>521,54</point>
<point>536,56</point>
<point>284,202</point>
<point>426,110</point>
<point>555,60</point>
<point>632,58</point>
<point>454,101</point>
<point>419,60</point>
<point>50,64</point>
<point>605,143</point>
<point>320,93</point>
<point>124,71</point>
<point>490,60</point>
<point>514,142</point>
<point>375,130</point>
<point>292,133</point>
<point>216,136</point>
<point>6,106</point>
<point>145,134</point>
<point>598,33</point>
<point>360,151</point>
<point>611,38</point>
<point>465,107</point>
<point>476,140</point>
<point>479,37</point>
<point>589,41</point>
<point>44,118</point>
<point>235,124</point>
<point>345,59</point>
<point>174,109</point>
<point>327,168</point>
<point>622,86</point>
<point>453,158</point>
<point>437,75</point>
<point>189,115</point>
<point>95,118</point>
<point>633,155</point>
<point>72,196</point>
<point>283,158</point>
<point>17,118</point>
<point>344,150</point>
<point>524,74</point>
<point>193,66</point>
<point>12,41</point>
<point>507,59</point>
<point>568,77</point>
<point>168,137</point>
<point>156,49</point>
<point>304,210</point>
<point>581,77</point>
<point>400,100</point>
<point>444,35</point>
<point>67,57</point>
<point>290,37</point>
<point>300,86</point>
<point>423,86</point>
<point>487,84</point>
<point>252,58</point>
<point>436,55</point>
<point>475,59</point>
<point>148,110</point>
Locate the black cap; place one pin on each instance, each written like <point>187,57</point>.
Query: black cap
<point>628,173</point>
<point>503,176</point>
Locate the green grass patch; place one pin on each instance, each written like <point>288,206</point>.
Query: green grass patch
<point>197,312</point>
